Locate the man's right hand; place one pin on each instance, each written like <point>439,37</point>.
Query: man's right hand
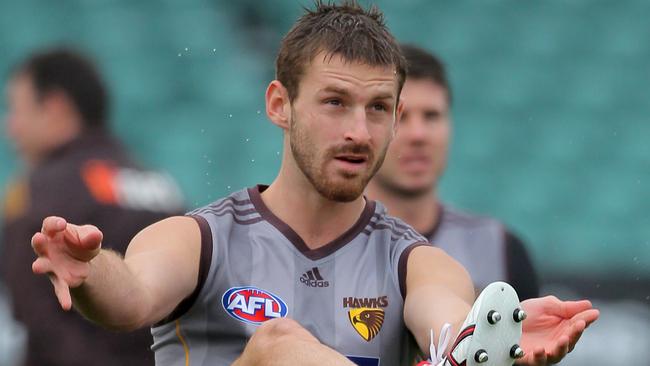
<point>64,252</point>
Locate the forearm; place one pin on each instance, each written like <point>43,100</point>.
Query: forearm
<point>297,353</point>
<point>283,341</point>
<point>112,296</point>
<point>435,306</point>
<point>439,291</point>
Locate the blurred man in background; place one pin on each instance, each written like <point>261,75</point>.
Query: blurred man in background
<point>407,184</point>
<point>57,120</point>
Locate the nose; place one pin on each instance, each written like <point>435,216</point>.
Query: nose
<point>413,129</point>
<point>357,128</point>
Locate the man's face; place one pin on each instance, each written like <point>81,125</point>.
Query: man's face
<point>417,156</point>
<point>341,124</point>
<point>26,121</point>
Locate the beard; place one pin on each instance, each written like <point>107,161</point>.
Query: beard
<point>395,188</point>
<point>338,187</point>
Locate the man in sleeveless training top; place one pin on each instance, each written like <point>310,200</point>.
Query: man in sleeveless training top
<point>305,271</point>
<point>408,179</point>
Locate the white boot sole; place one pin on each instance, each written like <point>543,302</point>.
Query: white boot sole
<point>496,339</point>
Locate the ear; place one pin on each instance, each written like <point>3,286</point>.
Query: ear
<point>56,104</point>
<point>398,115</point>
<point>278,107</point>
<point>61,111</point>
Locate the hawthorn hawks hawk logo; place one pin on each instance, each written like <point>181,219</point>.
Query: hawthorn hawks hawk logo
<point>367,321</point>
<point>366,314</point>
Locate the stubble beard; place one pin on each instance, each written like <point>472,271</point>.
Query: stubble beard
<point>346,189</point>
<point>396,189</point>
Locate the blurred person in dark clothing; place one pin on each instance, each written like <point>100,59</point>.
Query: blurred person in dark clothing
<point>73,167</point>
<point>408,180</point>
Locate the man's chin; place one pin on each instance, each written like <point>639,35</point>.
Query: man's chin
<point>406,189</point>
<point>341,192</point>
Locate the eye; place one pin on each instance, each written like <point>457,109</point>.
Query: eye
<point>379,107</point>
<point>334,102</point>
<point>432,116</point>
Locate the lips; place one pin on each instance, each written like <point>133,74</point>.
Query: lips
<point>351,164</point>
<point>414,163</point>
<point>352,159</point>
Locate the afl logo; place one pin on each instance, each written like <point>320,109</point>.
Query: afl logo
<point>253,305</point>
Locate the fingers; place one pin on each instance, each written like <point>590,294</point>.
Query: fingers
<point>535,357</point>
<point>560,350</point>
<point>62,292</point>
<point>576,332</point>
<point>90,237</point>
<point>39,241</point>
<point>588,316</point>
<point>571,308</point>
<point>61,289</point>
<point>42,266</point>
<point>539,356</point>
<point>86,242</point>
<point>53,225</point>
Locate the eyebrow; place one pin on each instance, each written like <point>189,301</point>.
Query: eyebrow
<point>336,90</point>
<point>345,92</point>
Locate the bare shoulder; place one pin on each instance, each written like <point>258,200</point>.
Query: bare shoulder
<point>176,232</point>
<point>428,265</point>
<point>428,255</point>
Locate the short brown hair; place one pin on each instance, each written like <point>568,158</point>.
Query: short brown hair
<point>426,65</point>
<point>72,73</point>
<point>348,30</point>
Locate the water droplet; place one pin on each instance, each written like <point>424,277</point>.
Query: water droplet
<point>247,139</point>
<point>277,153</point>
<point>228,187</point>
<point>202,130</point>
<point>252,160</point>
<point>187,49</point>
<point>214,50</point>
<point>230,115</point>
<point>209,161</point>
<point>207,174</point>
<point>258,112</point>
<point>179,55</point>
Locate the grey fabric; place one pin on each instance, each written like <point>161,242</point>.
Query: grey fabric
<point>252,247</point>
<point>477,242</point>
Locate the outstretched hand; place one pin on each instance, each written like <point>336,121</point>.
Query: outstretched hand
<point>553,328</point>
<point>64,251</point>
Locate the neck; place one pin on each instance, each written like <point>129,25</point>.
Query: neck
<point>55,142</point>
<point>421,211</point>
<point>316,219</point>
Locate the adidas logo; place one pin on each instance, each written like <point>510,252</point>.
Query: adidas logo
<point>312,278</point>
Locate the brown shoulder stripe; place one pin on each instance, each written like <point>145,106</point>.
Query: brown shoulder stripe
<point>225,208</point>
<point>205,261</point>
<point>402,266</point>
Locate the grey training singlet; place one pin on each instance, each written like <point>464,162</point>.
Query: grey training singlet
<point>348,294</point>
<point>477,242</point>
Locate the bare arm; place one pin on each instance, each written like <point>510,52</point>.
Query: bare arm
<point>159,270</point>
<point>438,291</point>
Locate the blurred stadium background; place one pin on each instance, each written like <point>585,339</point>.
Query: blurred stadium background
<point>551,106</point>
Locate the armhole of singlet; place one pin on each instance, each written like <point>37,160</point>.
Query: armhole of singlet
<point>204,268</point>
<point>402,264</point>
